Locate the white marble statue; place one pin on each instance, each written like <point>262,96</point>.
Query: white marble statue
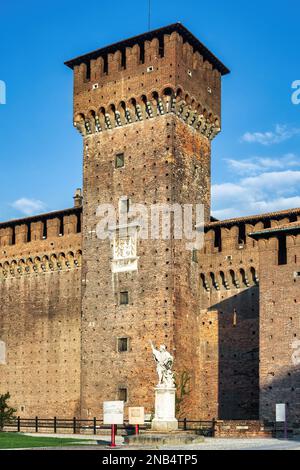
<point>164,362</point>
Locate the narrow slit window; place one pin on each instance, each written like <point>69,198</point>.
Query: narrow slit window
<point>234,321</point>
<point>282,250</point>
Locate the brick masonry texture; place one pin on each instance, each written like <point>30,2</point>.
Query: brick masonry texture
<point>40,316</point>
<point>280,323</point>
<point>229,313</point>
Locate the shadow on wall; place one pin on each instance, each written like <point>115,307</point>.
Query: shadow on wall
<point>238,345</point>
<point>283,389</point>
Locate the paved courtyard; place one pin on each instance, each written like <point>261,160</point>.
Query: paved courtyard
<point>102,443</point>
<point>243,444</point>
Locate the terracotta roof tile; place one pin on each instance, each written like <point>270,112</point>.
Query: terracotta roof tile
<point>254,219</point>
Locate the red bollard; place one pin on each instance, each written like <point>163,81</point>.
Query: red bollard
<point>137,429</point>
<point>113,435</point>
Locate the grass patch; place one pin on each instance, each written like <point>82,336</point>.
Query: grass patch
<point>12,440</point>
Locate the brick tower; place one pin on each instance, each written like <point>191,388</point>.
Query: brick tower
<point>147,108</point>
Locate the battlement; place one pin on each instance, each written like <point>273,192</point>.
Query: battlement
<point>121,52</point>
<point>162,71</point>
<point>40,227</point>
<point>237,234</point>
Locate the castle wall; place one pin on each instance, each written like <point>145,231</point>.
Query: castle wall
<point>40,298</point>
<point>228,270</point>
<point>279,329</point>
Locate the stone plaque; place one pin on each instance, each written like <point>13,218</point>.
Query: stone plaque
<point>113,412</point>
<point>136,415</point>
<point>281,413</point>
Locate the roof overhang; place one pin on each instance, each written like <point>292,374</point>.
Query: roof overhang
<point>148,36</point>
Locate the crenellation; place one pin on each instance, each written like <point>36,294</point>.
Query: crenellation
<point>33,231</point>
<point>187,55</point>
<point>198,63</point>
<point>80,76</point>
<point>209,242</point>
<point>276,223</point>
<point>6,236</point>
<point>114,63</point>
<point>97,70</point>
<point>53,227</point>
<point>132,57</point>
<point>21,234</point>
<point>70,223</point>
<point>237,237</point>
<point>151,52</point>
<point>229,238</point>
<point>37,230</point>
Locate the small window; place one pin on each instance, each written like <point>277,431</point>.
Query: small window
<point>122,394</point>
<point>195,256</point>
<point>124,298</point>
<point>120,160</point>
<point>123,344</point>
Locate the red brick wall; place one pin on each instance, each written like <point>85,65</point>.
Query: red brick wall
<point>40,320</point>
<point>279,329</point>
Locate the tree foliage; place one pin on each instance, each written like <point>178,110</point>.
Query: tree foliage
<point>182,386</point>
<point>7,414</point>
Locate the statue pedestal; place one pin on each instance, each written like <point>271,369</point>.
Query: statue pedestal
<point>164,420</point>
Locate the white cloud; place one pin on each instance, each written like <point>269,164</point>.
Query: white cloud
<point>280,134</point>
<point>28,206</point>
<point>266,192</point>
<point>273,181</point>
<point>256,165</point>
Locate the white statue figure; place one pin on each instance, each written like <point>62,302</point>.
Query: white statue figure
<point>164,362</point>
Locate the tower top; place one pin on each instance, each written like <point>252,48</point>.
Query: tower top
<point>148,36</point>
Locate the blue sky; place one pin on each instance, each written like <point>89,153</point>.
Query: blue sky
<point>256,159</point>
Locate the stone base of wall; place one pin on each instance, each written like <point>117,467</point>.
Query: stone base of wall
<point>242,429</point>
